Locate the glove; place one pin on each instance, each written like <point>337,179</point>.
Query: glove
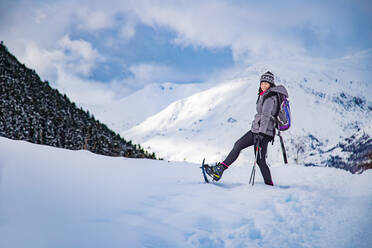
<point>258,139</point>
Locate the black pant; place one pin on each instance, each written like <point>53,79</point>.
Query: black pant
<point>244,142</point>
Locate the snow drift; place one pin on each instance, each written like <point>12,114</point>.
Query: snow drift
<point>51,197</point>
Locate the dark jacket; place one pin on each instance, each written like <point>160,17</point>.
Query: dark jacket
<point>263,121</point>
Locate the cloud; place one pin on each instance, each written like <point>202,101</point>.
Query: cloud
<point>93,20</point>
<point>74,56</point>
<point>252,29</point>
<point>65,66</point>
<point>84,91</point>
<point>215,24</point>
<point>147,73</point>
<point>127,31</point>
<point>80,57</point>
<point>43,61</point>
<point>88,92</point>
<point>53,66</point>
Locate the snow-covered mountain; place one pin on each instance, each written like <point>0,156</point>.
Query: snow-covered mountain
<point>331,100</point>
<point>52,197</point>
<point>137,107</point>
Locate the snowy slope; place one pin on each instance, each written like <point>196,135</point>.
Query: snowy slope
<point>131,110</point>
<point>330,100</point>
<point>58,198</point>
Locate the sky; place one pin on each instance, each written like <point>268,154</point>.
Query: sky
<point>112,48</point>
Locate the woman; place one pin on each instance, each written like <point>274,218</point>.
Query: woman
<point>261,133</point>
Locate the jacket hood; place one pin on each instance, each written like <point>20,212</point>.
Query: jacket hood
<point>279,89</point>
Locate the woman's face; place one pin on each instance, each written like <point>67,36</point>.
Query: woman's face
<point>265,86</point>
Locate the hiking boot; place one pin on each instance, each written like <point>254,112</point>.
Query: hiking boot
<point>216,171</point>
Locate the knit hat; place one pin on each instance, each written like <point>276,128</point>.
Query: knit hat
<point>268,77</point>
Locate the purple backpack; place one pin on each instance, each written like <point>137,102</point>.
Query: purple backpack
<point>283,117</point>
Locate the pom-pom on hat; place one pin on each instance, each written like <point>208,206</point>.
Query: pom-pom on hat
<point>268,77</point>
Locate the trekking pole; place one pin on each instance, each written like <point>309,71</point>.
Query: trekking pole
<point>253,173</point>
<point>283,148</point>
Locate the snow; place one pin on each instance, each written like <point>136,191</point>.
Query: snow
<point>53,197</point>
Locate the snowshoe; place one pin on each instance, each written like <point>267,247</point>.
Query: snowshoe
<point>203,171</point>
<point>215,171</point>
